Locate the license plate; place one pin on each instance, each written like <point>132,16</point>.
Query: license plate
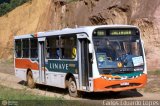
<point>124,83</point>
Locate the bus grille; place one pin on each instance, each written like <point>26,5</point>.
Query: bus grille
<point>122,86</point>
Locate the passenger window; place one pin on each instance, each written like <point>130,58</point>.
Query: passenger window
<point>25,48</point>
<point>33,48</point>
<point>18,48</point>
<point>52,46</point>
<point>68,46</point>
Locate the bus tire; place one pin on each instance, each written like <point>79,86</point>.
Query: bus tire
<point>30,80</point>
<point>134,90</point>
<point>72,87</point>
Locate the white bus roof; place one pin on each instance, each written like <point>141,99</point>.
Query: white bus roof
<point>81,29</point>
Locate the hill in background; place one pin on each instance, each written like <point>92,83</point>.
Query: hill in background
<point>43,15</point>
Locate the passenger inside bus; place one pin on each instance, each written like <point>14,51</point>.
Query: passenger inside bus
<point>57,53</point>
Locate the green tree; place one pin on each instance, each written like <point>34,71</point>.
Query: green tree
<point>8,5</point>
<point>4,8</point>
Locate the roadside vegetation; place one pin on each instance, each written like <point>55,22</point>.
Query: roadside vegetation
<point>8,5</point>
<point>25,98</point>
<point>13,94</point>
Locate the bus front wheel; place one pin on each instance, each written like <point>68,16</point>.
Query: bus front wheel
<point>30,80</point>
<point>72,88</point>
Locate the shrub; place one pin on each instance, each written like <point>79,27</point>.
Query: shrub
<point>6,7</point>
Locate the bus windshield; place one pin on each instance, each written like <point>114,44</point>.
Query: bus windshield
<point>120,52</point>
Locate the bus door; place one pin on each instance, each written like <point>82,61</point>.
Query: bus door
<point>83,58</point>
<point>41,56</point>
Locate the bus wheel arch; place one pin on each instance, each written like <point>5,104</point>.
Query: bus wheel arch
<point>68,75</point>
<point>30,79</point>
<point>71,85</point>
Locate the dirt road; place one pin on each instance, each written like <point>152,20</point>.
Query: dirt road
<point>11,81</point>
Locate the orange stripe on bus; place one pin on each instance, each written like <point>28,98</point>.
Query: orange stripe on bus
<point>102,84</point>
<point>26,63</point>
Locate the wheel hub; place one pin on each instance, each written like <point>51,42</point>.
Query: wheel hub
<point>73,87</point>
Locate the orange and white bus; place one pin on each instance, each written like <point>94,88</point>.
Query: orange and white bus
<point>89,59</point>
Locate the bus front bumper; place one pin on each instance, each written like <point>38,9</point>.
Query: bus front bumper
<point>101,84</point>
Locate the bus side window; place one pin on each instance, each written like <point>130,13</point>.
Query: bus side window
<point>34,48</point>
<point>135,48</point>
<point>47,49</point>
<point>69,47</point>
<point>52,47</point>
<point>18,50</point>
<point>25,48</point>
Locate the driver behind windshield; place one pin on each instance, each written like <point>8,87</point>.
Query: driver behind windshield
<point>123,53</point>
<point>117,48</point>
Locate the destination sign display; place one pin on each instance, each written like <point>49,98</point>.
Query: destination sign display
<point>116,32</point>
<point>101,32</point>
<point>120,32</point>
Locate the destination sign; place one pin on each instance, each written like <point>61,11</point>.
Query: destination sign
<point>120,32</point>
<point>101,32</point>
<point>116,32</point>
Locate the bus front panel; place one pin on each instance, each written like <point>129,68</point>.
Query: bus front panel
<point>120,59</point>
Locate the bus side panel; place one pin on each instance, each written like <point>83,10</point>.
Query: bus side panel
<point>55,79</point>
<point>20,73</point>
<point>26,63</point>
<point>22,65</point>
<point>57,71</point>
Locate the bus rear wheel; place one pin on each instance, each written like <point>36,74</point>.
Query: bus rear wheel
<point>30,80</point>
<point>72,87</point>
